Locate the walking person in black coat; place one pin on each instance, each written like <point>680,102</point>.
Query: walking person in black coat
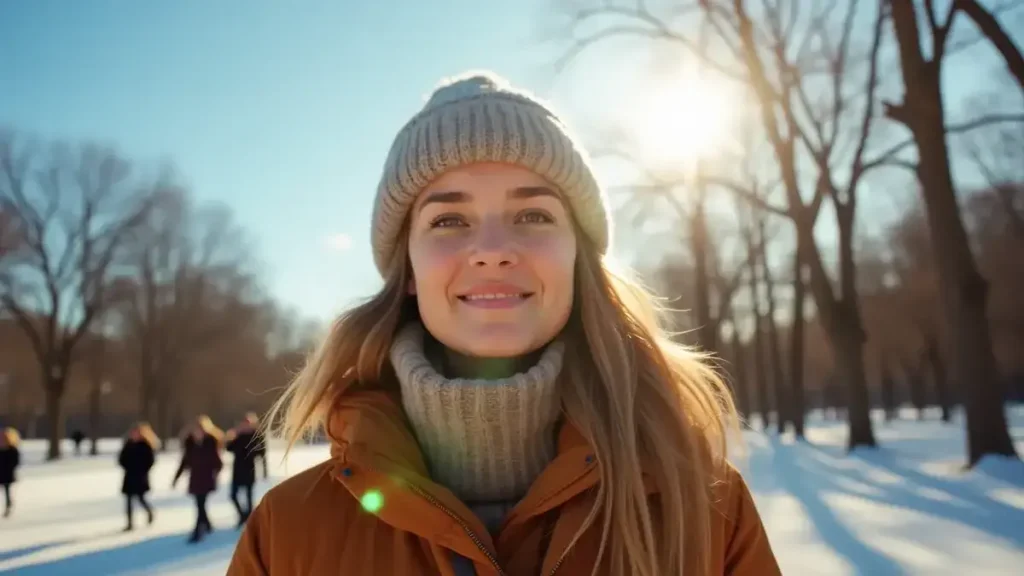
<point>246,445</point>
<point>137,458</point>
<point>201,457</point>
<point>9,460</point>
<point>77,436</point>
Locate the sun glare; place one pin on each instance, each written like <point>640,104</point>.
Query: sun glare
<point>680,120</point>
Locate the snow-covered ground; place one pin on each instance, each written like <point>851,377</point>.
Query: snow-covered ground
<point>905,509</point>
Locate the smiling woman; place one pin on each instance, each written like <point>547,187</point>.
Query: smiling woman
<point>680,119</point>
<point>506,404</point>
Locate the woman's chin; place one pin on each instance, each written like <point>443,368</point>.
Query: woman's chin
<point>499,342</point>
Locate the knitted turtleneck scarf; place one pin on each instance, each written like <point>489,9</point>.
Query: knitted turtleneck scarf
<point>485,440</point>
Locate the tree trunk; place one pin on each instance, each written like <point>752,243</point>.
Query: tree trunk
<point>939,379</point>
<point>842,322</point>
<point>888,391</point>
<point>848,343</point>
<point>915,382</point>
<point>796,350</point>
<point>775,359</point>
<point>963,291</point>
<point>163,421</point>
<point>707,328</point>
<point>740,385</point>
<point>94,416</point>
<point>55,415</point>
<point>760,373</point>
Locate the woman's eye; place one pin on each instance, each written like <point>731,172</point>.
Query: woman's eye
<point>447,221</point>
<point>535,217</point>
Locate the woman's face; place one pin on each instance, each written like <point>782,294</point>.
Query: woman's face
<point>493,255</point>
<point>135,434</point>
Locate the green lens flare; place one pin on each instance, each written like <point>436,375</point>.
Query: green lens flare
<point>372,501</point>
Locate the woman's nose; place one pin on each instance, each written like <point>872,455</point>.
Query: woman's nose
<point>494,246</point>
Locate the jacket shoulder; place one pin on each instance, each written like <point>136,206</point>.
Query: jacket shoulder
<point>295,522</point>
<point>738,529</point>
<point>312,486</point>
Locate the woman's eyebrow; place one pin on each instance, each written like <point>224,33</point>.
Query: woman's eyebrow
<point>524,192</point>
<point>449,197</point>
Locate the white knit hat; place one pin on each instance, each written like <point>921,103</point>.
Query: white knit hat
<point>479,117</point>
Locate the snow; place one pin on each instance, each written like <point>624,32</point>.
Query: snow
<point>907,508</point>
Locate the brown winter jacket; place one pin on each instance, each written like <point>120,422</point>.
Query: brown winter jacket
<point>314,523</point>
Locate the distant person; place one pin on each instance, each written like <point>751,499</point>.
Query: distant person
<point>10,458</point>
<point>201,457</point>
<point>506,403</point>
<point>137,458</point>
<point>246,445</point>
<point>77,436</point>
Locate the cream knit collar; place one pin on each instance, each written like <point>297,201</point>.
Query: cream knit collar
<point>485,440</point>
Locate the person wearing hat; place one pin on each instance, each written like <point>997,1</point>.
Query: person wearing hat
<point>506,404</point>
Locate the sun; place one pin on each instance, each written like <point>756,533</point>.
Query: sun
<point>681,119</point>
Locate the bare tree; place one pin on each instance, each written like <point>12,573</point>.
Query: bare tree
<point>9,234</point>
<point>998,154</point>
<point>190,282</point>
<point>819,144</point>
<point>797,347</point>
<point>77,209</point>
<point>963,290</point>
<point>780,387</point>
<point>991,29</point>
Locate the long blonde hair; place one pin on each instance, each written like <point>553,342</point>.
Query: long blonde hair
<point>206,424</point>
<point>645,403</point>
<point>148,435</point>
<point>11,436</point>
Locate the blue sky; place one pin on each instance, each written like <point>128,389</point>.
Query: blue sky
<point>283,113</point>
<point>282,110</point>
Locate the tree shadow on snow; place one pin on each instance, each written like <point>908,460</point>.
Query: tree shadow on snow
<point>141,557</point>
<point>954,498</point>
<point>25,551</point>
<point>807,488</point>
<point>888,478</point>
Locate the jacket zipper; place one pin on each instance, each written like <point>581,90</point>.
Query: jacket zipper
<point>469,531</point>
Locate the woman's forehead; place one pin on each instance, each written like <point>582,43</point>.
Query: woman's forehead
<point>486,181</point>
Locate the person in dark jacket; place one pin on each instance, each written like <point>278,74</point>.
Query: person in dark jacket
<point>137,458</point>
<point>9,460</point>
<point>201,457</point>
<point>77,436</point>
<point>247,446</point>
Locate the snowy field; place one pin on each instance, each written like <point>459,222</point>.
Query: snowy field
<point>905,509</point>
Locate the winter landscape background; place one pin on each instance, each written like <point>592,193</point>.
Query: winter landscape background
<point>904,509</point>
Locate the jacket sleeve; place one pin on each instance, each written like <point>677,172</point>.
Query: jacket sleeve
<point>150,458</point>
<point>252,553</point>
<point>184,463</point>
<point>122,458</point>
<point>17,458</point>
<point>747,550</point>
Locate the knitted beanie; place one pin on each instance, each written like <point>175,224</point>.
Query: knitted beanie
<point>479,117</point>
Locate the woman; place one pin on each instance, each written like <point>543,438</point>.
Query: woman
<point>137,458</point>
<point>506,404</point>
<point>201,457</point>
<point>9,460</point>
<point>245,444</point>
